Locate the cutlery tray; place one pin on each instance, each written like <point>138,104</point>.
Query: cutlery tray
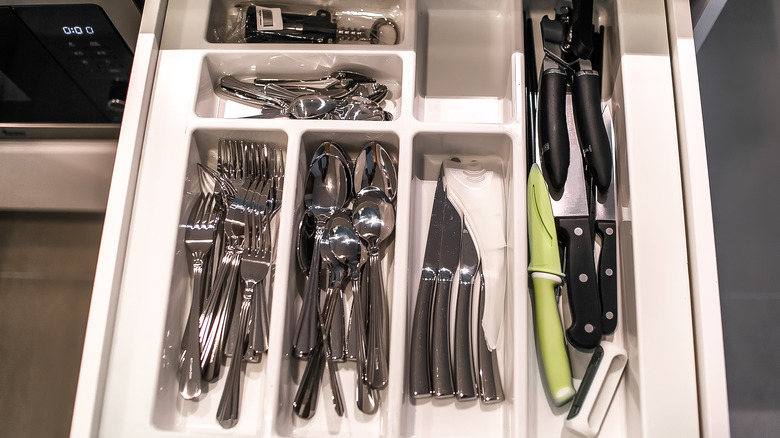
<point>457,89</point>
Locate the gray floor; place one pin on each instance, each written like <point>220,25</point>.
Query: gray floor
<point>739,66</point>
<point>47,264</point>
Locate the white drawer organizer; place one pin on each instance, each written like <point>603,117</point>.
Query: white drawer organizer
<point>457,90</point>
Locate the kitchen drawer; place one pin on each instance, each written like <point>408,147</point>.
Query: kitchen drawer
<point>457,89</point>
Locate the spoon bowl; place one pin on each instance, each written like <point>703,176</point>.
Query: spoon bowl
<point>326,186</point>
<point>311,106</point>
<point>305,246</point>
<point>373,217</point>
<point>374,167</point>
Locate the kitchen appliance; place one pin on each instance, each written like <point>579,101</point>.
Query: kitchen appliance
<point>65,67</point>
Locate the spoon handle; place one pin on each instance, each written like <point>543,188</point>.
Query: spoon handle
<point>306,332</point>
<point>360,298</point>
<point>366,397</point>
<point>337,329</point>
<point>377,369</point>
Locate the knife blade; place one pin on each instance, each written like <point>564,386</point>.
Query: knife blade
<point>419,368</point>
<point>570,208</point>
<point>441,372</point>
<point>465,383</point>
<point>607,230</point>
<point>546,275</point>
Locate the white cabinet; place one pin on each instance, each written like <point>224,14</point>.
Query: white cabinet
<point>457,89</point>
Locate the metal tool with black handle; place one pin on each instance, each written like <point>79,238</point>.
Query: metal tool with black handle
<point>573,138</point>
<point>568,46</point>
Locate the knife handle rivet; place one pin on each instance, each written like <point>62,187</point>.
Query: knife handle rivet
<point>584,278</point>
<point>578,231</point>
<point>610,231</point>
<point>609,272</point>
<point>589,328</point>
<point>610,315</point>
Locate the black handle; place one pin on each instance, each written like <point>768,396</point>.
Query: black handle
<point>594,142</point>
<point>553,132</point>
<point>582,28</point>
<point>608,275</point>
<point>582,288</point>
<point>298,28</point>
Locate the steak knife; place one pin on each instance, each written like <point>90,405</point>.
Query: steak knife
<point>441,372</point>
<point>419,366</point>
<point>465,383</point>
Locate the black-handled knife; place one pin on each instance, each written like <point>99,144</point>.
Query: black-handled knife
<point>572,214</point>
<point>606,228</point>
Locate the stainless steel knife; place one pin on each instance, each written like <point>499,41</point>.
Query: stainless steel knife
<point>465,383</point>
<point>419,366</point>
<point>570,207</point>
<point>441,372</point>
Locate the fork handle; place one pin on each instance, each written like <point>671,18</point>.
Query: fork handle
<point>258,328</point>
<point>189,371</point>
<point>229,404</point>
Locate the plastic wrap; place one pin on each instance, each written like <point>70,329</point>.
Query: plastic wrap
<point>264,22</point>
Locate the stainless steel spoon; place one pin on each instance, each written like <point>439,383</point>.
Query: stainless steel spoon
<point>326,190</point>
<point>375,167</point>
<point>346,247</point>
<point>374,219</point>
<point>337,274</point>
<point>332,148</point>
<point>311,106</point>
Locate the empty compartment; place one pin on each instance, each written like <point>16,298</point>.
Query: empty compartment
<point>171,411</point>
<point>386,69</point>
<point>325,421</point>
<point>341,21</point>
<point>495,153</point>
<point>464,49</point>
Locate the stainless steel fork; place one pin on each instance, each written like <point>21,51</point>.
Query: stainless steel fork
<point>217,311</point>
<point>253,269</point>
<point>199,240</point>
<point>258,263</point>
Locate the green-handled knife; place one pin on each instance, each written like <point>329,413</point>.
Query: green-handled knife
<point>546,275</point>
